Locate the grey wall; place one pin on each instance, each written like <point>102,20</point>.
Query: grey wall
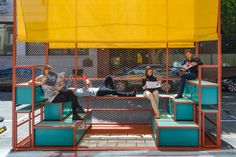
<point>8,15</point>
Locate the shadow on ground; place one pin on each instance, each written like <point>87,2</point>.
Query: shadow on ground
<point>5,96</point>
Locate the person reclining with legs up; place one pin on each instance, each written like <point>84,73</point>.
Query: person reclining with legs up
<point>188,71</point>
<point>107,88</point>
<point>55,94</point>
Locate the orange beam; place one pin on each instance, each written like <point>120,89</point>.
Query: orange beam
<point>219,76</point>
<point>121,129</point>
<point>14,132</point>
<point>167,66</point>
<point>46,53</point>
<point>200,106</point>
<point>76,66</point>
<point>196,49</point>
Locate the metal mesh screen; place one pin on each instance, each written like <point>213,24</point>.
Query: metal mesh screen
<point>128,65</point>
<point>29,54</point>
<point>124,64</point>
<point>62,60</point>
<point>121,117</point>
<point>208,52</point>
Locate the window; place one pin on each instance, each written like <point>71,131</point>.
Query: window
<point>6,39</point>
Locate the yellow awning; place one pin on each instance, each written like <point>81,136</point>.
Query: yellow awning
<point>117,23</point>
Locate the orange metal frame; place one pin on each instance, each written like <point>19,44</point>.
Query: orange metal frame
<point>204,116</point>
<point>31,120</point>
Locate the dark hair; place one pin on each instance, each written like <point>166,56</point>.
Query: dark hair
<point>109,82</point>
<point>146,71</point>
<point>188,50</point>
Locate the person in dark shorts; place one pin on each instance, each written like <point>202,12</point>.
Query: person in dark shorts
<point>151,93</point>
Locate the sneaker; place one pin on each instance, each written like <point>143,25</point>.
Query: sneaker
<point>81,110</point>
<point>179,96</point>
<point>76,117</point>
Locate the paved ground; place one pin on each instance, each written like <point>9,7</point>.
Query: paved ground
<point>120,140</point>
<point>228,136</point>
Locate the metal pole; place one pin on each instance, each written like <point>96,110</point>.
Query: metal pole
<point>76,65</point>
<point>219,75</point>
<point>167,49</point>
<point>200,105</point>
<point>46,53</point>
<point>196,49</point>
<point>14,120</point>
<point>167,66</point>
<point>33,104</point>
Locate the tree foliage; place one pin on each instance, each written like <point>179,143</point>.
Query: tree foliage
<point>228,16</point>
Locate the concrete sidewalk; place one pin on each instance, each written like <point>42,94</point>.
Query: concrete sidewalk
<point>228,136</point>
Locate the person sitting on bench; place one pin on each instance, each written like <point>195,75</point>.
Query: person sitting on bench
<point>107,88</point>
<point>55,94</point>
<point>151,92</point>
<point>188,71</point>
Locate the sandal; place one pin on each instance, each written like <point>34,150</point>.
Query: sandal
<point>157,115</point>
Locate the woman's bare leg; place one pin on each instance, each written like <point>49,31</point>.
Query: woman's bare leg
<point>149,95</point>
<point>156,97</point>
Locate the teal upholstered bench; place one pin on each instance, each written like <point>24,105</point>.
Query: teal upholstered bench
<point>175,133</point>
<point>57,111</point>
<point>62,133</point>
<point>24,94</point>
<point>209,90</point>
<point>182,109</point>
<point>52,111</point>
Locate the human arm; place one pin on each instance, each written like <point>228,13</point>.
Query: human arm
<point>86,83</point>
<point>158,81</point>
<point>183,65</point>
<point>196,61</point>
<point>144,80</point>
<point>38,80</point>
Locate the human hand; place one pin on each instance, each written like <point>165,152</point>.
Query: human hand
<point>59,85</point>
<point>182,72</point>
<point>193,63</point>
<point>87,81</point>
<point>145,87</point>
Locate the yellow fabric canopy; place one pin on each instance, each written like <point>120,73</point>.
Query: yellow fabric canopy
<point>117,23</point>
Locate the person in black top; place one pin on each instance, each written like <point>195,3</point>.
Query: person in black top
<point>151,93</point>
<point>189,70</point>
